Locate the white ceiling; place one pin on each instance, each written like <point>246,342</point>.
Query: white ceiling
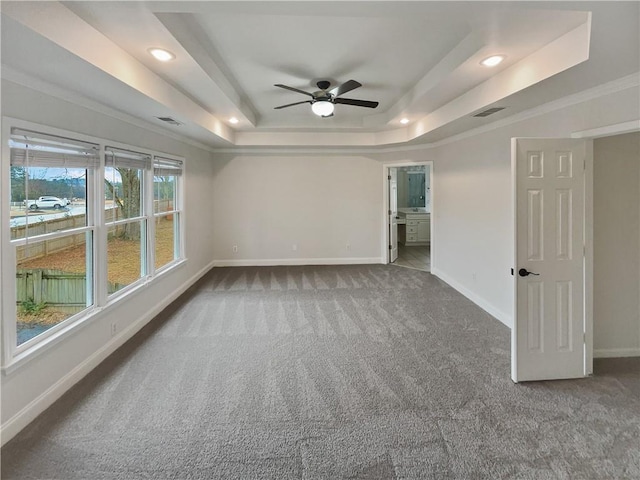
<point>420,60</point>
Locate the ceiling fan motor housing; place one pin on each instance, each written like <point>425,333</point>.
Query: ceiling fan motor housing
<point>322,97</point>
<point>323,84</point>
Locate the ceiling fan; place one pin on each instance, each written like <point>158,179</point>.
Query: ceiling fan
<point>323,101</point>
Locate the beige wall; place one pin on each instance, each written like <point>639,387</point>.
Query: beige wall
<point>267,204</point>
<point>617,244</point>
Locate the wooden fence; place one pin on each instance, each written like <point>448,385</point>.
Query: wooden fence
<point>48,247</point>
<point>48,226</point>
<point>64,291</point>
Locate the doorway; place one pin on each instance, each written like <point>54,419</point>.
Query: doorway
<point>612,254</point>
<point>408,225</point>
<point>616,245</point>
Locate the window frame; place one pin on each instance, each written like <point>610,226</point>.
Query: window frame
<point>177,211</point>
<point>9,249</point>
<point>142,218</point>
<point>14,355</point>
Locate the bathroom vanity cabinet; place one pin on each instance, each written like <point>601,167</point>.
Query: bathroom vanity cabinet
<point>417,229</point>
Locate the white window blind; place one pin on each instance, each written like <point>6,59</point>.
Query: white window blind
<point>163,167</point>
<point>118,158</point>
<point>42,150</point>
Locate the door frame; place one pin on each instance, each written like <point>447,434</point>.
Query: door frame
<point>588,248</point>
<point>385,204</point>
<point>592,134</point>
<point>392,217</point>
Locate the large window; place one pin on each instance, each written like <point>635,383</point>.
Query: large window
<point>84,228</point>
<point>52,232</point>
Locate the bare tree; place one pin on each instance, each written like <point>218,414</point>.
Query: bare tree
<point>127,202</point>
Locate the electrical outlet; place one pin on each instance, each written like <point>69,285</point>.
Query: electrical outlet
<point>473,275</point>
<point>294,247</point>
<point>114,329</point>
<point>235,249</point>
<point>348,246</point>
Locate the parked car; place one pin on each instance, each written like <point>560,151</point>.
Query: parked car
<point>47,202</point>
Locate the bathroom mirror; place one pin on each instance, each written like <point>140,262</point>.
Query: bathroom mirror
<point>413,186</point>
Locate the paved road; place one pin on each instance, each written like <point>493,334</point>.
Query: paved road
<point>45,215</point>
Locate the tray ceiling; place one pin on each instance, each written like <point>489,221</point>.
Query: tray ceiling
<point>420,60</point>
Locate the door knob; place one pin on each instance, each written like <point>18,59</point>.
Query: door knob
<point>523,272</point>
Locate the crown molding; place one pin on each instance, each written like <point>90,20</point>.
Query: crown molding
<point>616,129</point>
<point>12,75</point>
<point>319,151</point>
<point>614,86</point>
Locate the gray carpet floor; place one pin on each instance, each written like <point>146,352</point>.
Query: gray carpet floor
<point>329,372</point>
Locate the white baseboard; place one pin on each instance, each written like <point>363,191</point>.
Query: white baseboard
<point>616,352</point>
<point>481,302</point>
<point>34,408</point>
<point>297,261</point>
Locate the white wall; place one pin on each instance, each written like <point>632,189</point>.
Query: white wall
<point>472,245</point>
<point>267,204</point>
<point>616,239</point>
<point>32,386</point>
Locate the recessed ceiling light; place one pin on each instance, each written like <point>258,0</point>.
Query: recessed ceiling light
<point>233,120</point>
<point>404,121</point>
<point>161,54</point>
<point>493,60</point>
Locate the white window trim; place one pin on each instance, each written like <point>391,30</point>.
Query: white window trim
<point>13,355</point>
<point>179,201</point>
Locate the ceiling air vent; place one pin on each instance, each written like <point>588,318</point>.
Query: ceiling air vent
<point>488,112</point>
<point>169,120</point>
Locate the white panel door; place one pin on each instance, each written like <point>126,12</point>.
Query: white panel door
<point>393,214</point>
<point>548,337</point>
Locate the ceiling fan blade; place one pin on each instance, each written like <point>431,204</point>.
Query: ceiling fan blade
<point>292,104</point>
<point>293,89</point>
<point>345,87</point>
<point>356,103</point>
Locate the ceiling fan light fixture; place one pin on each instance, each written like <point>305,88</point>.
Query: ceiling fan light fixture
<point>322,108</point>
<point>161,54</point>
<point>493,60</point>
<point>323,102</point>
